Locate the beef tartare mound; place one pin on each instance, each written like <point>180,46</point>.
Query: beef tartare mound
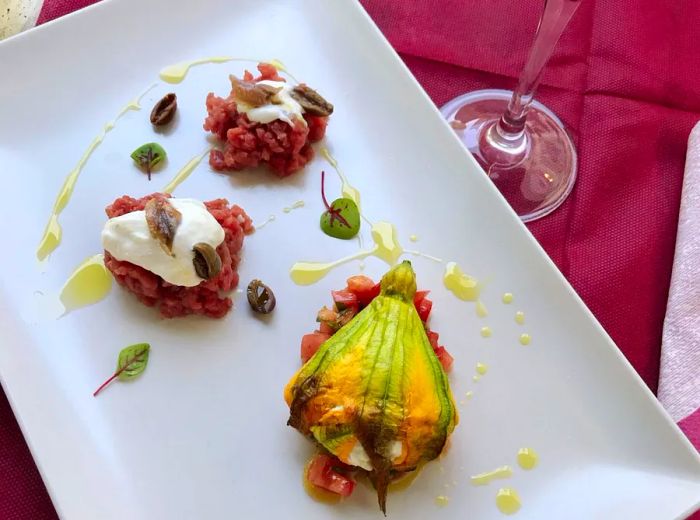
<point>266,121</point>
<point>176,254</point>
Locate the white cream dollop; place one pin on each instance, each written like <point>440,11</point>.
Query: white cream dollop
<point>358,456</point>
<point>127,238</point>
<point>286,109</point>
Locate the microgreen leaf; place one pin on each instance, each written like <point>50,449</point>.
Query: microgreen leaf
<point>148,156</point>
<point>131,362</point>
<point>341,218</point>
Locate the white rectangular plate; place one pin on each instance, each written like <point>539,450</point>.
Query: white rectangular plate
<point>202,433</point>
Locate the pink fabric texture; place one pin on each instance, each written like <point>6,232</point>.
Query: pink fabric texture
<point>625,81</point>
<point>624,78</point>
<point>691,427</point>
<point>679,381</point>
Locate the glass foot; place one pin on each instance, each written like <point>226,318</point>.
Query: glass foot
<point>535,174</point>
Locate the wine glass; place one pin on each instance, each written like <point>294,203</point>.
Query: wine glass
<point>521,144</point>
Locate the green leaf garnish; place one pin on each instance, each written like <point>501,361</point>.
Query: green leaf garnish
<point>131,362</point>
<point>148,156</point>
<point>341,218</point>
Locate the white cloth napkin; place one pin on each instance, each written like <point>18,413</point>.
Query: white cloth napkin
<point>17,16</point>
<point>679,380</point>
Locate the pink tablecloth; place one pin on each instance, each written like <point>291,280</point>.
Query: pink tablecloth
<point>625,79</point>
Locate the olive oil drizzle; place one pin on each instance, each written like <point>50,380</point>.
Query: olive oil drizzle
<point>53,232</point>
<point>89,283</point>
<point>185,172</point>
<point>384,235</point>
<point>177,72</point>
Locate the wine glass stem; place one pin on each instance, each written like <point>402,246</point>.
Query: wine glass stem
<point>555,17</point>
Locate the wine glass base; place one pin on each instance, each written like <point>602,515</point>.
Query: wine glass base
<point>540,178</point>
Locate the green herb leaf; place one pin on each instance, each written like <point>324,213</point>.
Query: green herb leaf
<point>148,156</point>
<point>131,362</point>
<point>342,219</point>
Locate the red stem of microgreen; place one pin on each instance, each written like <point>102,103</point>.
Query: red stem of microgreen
<point>149,162</point>
<point>334,213</point>
<point>116,374</point>
<point>323,190</point>
<point>103,385</point>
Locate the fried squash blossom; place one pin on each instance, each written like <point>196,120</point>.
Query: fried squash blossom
<point>375,395</point>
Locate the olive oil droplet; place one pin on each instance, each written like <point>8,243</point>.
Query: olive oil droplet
<point>485,478</point>
<point>265,222</point>
<point>442,500</point>
<point>520,317</point>
<point>462,285</point>
<point>507,298</point>
<point>525,339</point>
<point>527,458</point>
<point>507,501</point>
<point>387,246</point>
<point>90,282</point>
<point>298,204</point>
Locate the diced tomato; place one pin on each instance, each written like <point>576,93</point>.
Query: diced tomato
<point>360,291</point>
<point>310,344</point>
<point>323,472</point>
<point>345,299</point>
<point>419,297</point>
<point>268,71</point>
<point>445,358</point>
<point>364,288</point>
<point>326,328</point>
<point>433,338</point>
<point>424,308</point>
<point>360,284</point>
<point>372,294</point>
<point>423,304</point>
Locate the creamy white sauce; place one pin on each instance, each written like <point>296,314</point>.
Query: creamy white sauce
<point>286,109</point>
<point>358,456</point>
<point>127,238</point>
<point>395,450</point>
